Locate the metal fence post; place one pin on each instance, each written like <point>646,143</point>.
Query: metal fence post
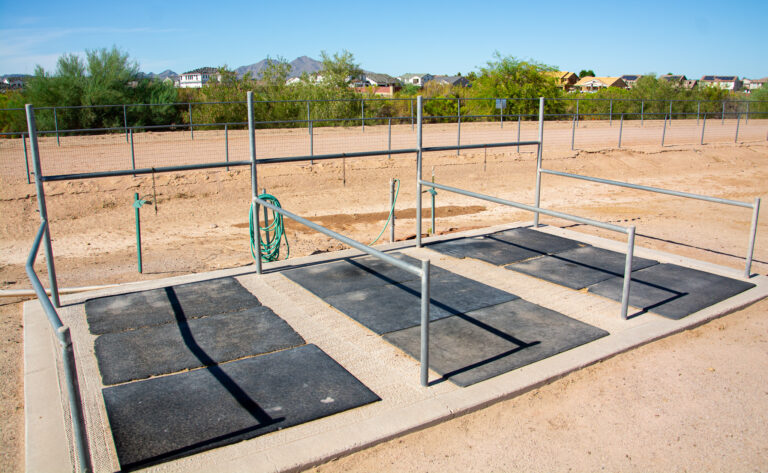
<point>133,156</point>
<point>722,115</point>
<point>664,132</point>
<point>501,116</point>
<point>392,210</point>
<point>362,113</point>
<point>32,129</point>
<point>137,216</point>
<point>573,132</point>
<point>627,272</point>
<point>538,161</point>
<point>610,114</point>
<point>56,125</point>
<point>698,111</point>
<point>418,171</point>
<point>621,128</point>
<point>75,401</point>
<point>411,102</point>
<point>670,113</point>
<point>458,134</point>
<point>424,322</point>
<point>752,234</point>
<point>519,119</point>
<point>191,131</point>
<point>125,123</point>
<point>642,111</point>
<point>746,122</point>
<point>389,137</point>
<point>738,122</point>
<point>311,141</point>
<point>577,113</point>
<point>226,144</point>
<point>703,126</point>
<point>254,184</point>
<point>26,156</point>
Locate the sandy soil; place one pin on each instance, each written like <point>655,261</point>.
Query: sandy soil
<point>695,401</point>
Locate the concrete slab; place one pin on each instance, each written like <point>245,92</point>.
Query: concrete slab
<point>579,267</point>
<point>672,290</point>
<point>350,274</point>
<point>188,344</point>
<point>481,344</point>
<point>156,306</point>
<point>397,306</point>
<point>163,418</point>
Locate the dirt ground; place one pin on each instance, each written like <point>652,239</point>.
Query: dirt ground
<point>695,401</point>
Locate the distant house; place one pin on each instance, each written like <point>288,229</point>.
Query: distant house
<point>565,79</point>
<point>679,81</point>
<point>753,84</point>
<point>12,82</point>
<point>457,81</point>
<point>416,79</point>
<point>593,84</point>
<point>198,78</point>
<point>630,79</point>
<point>378,84</point>
<point>731,83</point>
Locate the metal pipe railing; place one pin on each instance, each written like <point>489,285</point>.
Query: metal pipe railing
<point>67,354</point>
<point>629,231</point>
<point>717,200</point>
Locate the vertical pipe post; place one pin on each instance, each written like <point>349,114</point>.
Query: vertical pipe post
<point>698,111</point>
<point>577,112</point>
<point>226,143</point>
<point>519,120</point>
<point>642,112</point>
<point>75,401</point>
<point>627,272</point>
<point>191,131</point>
<point>573,132</point>
<point>670,113</point>
<point>133,155</point>
<point>722,115</point>
<point>389,137</point>
<point>538,161</point>
<point>392,210</point>
<point>458,134</point>
<point>418,174</point>
<point>610,113</point>
<point>32,129</point>
<point>424,321</point>
<point>432,194</point>
<point>308,119</point>
<point>362,112</point>
<point>664,132</point>
<point>411,102</point>
<point>311,141</point>
<point>267,239</point>
<point>501,115</point>
<point>56,125</point>
<point>254,183</point>
<point>752,235</point>
<point>738,122</point>
<point>621,128</point>
<point>703,126</point>
<point>125,123</point>
<point>26,156</point>
<point>746,122</point>
<point>137,216</point>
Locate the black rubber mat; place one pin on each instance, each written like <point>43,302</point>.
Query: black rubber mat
<point>579,267</point>
<point>154,307</point>
<point>350,274</point>
<point>672,291</point>
<point>187,344</point>
<point>485,343</point>
<point>159,419</point>
<point>506,247</point>
<point>386,308</point>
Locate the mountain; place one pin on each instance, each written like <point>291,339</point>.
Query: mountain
<point>162,76</point>
<point>299,66</point>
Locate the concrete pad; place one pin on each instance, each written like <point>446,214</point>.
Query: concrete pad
<point>481,344</point>
<point>579,267</point>
<point>188,344</point>
<point>671,290</point>
<point>157,306</point>
<point>163,418</point>
<point>397,306</point>
<point>350,274</point>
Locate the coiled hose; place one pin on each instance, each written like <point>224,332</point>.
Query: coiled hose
<point>273,233</point>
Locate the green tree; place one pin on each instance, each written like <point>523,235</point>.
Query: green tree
<point>339,69</point>
<point>586,73</point>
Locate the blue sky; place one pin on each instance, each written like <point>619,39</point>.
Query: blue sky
<point>394,37</point>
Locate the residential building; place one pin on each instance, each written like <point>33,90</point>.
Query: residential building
<point>565,79</point>
<point>198,78</point>
<point>416,79</point>
<point>458,81</point>
<point>630,79</point>
<point>679,81</point>
<point>12,82</point>
<point>753,84</point>
<point>593,84</point>
<point>378,84</point>
<point>731,83</point>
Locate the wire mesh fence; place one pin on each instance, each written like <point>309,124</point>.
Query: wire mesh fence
<point>104,138</point>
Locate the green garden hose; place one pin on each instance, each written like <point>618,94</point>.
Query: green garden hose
<point>391,212</point>
<point>273,233</point>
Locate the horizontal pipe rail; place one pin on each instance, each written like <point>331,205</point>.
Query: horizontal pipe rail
<point>68,359</point>
<point>658,190</point>
<point>530,208</point>
<point>479,146</point>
